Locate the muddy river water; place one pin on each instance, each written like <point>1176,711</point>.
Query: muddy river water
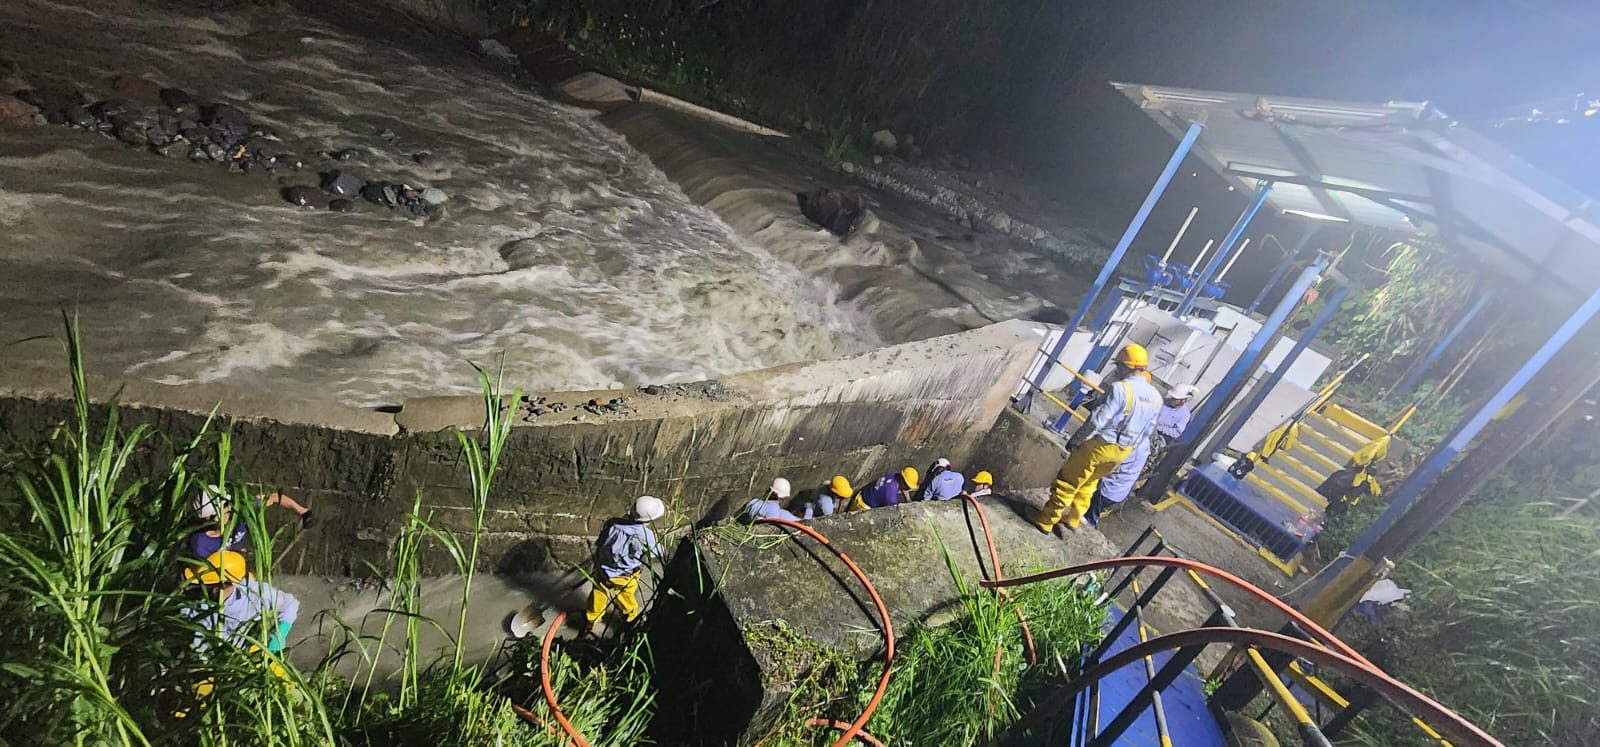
<point>561,247</point>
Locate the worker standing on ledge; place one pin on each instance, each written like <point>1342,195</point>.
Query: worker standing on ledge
<point>1105,441</point>
<point>893,488</point>
<point>619,556</point>
<point>1170,424</point>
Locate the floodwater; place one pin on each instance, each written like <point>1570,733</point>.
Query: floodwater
<point>563,248</point>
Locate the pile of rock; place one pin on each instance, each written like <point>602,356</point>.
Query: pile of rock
<point>173,123</point>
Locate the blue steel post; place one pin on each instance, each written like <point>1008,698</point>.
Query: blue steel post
<point>1110,267</point>
<point>1228,243</point>
<point>1185,445</point>
<point>1262,389</point>
<point>1282,268</point>
<point>1415,377</point>
<point>1446,452</point>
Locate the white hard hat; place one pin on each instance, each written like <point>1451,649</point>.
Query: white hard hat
<point>1183,391</point>
<point>649,508</point>
<point>942,462</point>
<point>209,502</point>
<point>780,488</point>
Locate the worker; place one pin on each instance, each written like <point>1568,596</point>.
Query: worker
<point>982,484</point>
<point>619,557</point>
<point>892,488</point>
<point>1107,439</point>
<point>237,605</point>
<point>770,504</point>
<point>830,498</point>
<point>214,506</point>
<point>1170,423</point>
<point>942,482</point>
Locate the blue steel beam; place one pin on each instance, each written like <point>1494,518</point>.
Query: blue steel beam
<point>1228,243</point>
<point>1282,268</point>
<point>1185,445</point>
<point>1026,400</point>
<point>1469,429</point>
<point>1415,377</point>
<point>1259,394</point>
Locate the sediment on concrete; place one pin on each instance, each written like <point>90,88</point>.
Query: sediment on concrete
<point>705,450</point>
<point>749,586</point>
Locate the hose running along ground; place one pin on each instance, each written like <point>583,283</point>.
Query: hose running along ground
<point>854,729</point>
<point>994,562</point>
<point>1337,655</point>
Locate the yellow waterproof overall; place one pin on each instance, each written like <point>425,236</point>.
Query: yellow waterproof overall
<point>1079,476</point>
<point>626,590</point>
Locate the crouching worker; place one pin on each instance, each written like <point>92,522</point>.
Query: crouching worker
<point>831,498</point>
<point>770,505</point>
<point>889,490</point>
<point>619,556</point>
<point>237,606</point>
<point>982,485</point>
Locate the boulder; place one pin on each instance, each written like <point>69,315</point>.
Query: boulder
<point>884,141</point>
<point>307,197</point>
<point>842,213</point>
<point>496,51</point>
<point>342,183</point>
<point>732,595</point>
<point>15,112</point>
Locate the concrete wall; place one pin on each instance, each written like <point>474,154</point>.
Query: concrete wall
<point>705,450</point>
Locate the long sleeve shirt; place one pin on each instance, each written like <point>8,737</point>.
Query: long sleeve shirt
<point>623,547</point>
<point>766,508</point>
<point>249,602</point>
<point>1171,422</point>
<point>823,505</point>
<point>944,486</point>
<point>1128,414</point>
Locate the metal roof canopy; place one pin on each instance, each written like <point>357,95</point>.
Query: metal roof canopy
<point>1400,166</point>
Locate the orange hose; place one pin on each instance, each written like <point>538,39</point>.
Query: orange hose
<point>994,561</point>
<point>842,726</point>
<point>1321,634</point>
<point>854,728</point>
<point>544,683</point>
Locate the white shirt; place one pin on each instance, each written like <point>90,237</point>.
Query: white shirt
<point>1128,414</point>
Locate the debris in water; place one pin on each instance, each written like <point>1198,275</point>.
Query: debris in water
<point>307,197</point>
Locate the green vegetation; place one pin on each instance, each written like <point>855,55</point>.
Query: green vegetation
<point>99,643</point>
<point>947,687</point>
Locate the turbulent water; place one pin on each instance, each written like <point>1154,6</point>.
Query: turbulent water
<point>563,248</point>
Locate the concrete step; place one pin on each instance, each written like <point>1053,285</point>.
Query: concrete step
<point>1305,495</point>
<point>1338,433</point>
<point>1353,421</point>
<point>1316,460</point>
<point>1291,463</point>
<point>1328,446</point>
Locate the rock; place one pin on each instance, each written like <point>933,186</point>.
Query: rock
<point>847,167</point>
<point>1001,222</point>
<point>434,196</point>
<point>78,116</point>
<point>15,112</point>
<point>180,101</point>
<point>654,390</point>
<point>423,159</point>
<point>341,205</point>
<point>597,89</point>
<point>307,197</point>
<point>263,132</point>
<point>877,160</point>
<point>842,213</point>
<point>171,149</point>
<point>496,51</point>
<point>216,152</point>
<point>342,183</point>
<point>227,117</point>
<point>137,88</point>
<point>377,193</point>
<point>884,141</point>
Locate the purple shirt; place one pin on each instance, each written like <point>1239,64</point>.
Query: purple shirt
<point>204,545</point>
<point>884,492</point>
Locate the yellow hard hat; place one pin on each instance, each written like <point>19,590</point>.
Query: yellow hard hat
<point>840,486</point>
<point>223,566</point>
<point>983,478</point>
<point>909,477</point>
<point>1134,355</point>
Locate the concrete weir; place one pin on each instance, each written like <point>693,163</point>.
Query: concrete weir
<point>703,448</point>
<point>734,595</point>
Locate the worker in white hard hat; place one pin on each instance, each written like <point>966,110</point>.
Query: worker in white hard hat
<point>1115,487</point>
<point>942,483</point>
<point>620,553</point>
<point>224,530</point>
<point>770,504</point>
<point>1110,435</point>
<point>236,604</point>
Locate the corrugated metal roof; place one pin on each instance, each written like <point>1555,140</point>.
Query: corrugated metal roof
<point>1401,166</point>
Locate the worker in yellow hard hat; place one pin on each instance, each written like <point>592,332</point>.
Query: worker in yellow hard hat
<point>1119,424</point>
<point>831,497</point>
<point>892,488</point>
<point>982,485</point>
<point>236,605</point>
